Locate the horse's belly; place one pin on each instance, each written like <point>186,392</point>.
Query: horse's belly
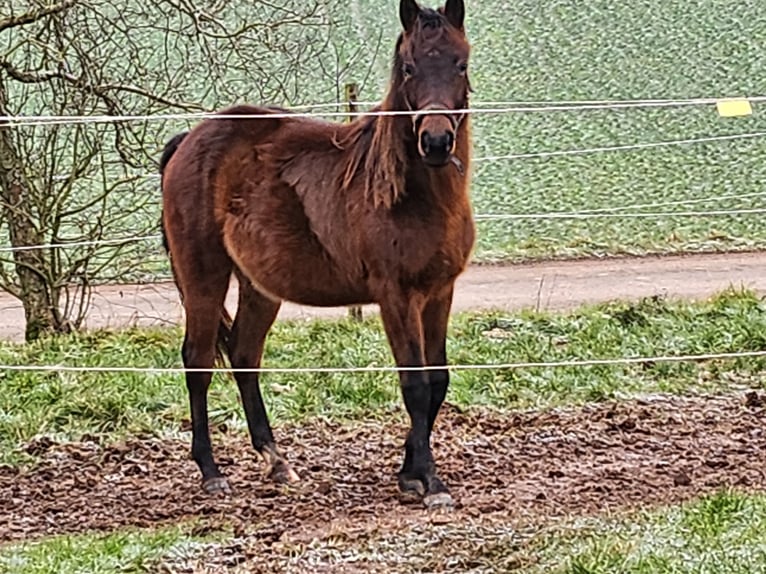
<point>307,286</point>
<point>291,266</point>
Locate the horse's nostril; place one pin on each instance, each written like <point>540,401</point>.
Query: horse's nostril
<point>425,142</point>
<point>450,141</point>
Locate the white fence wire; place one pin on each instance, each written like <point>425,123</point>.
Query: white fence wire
<point>626,147</point>
<point>602,213</point>
<point>578,363</point>
<point>647,215</point>
<point>479,217</point>
<point>477,109</point>
<point>74,244</point>
<point>572,152</point>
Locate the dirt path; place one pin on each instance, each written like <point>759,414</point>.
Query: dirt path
<point>551,285</point>
<point>573,461</point>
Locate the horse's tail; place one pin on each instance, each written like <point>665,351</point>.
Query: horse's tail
<point>226,322</point>
<point>170,149</point>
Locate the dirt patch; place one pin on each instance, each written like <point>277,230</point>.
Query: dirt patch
<point>516,467</point>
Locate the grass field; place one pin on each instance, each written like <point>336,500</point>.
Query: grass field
<point>583,50</point>
<point>720,532</point>
<point>591,50</point>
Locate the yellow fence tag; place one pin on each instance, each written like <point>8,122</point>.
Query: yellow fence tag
<point>734,108</point>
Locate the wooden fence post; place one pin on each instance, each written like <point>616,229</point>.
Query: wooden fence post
<point>352,97</point>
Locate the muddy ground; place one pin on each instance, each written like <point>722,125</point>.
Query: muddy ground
<point>514,468</point>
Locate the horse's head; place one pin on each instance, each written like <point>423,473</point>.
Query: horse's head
<point>431,74</point>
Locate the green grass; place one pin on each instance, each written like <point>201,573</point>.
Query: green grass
<point>591,49</point>
<point>720,534</point>
<point>66,405</point>
<point>123,552</point>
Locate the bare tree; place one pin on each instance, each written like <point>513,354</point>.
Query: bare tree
<point>82,183</point>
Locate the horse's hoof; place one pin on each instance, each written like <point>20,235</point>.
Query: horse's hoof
<point>277,468</point>
<point>409,498</point>
<point>439,501</point>
<point>412,487</point>
<point>216,485</point>
<point>281,473</point>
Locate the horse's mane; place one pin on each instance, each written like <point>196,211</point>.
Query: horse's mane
<point>374,143</point>
<point>376,149</point>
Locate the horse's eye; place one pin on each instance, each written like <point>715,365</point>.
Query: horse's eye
<point>462,68</point>
<point>408,70</point>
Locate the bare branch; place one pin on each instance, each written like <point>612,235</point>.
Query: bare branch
<point>40,77</point>
<point>78,183</point>
<point>35,15</point>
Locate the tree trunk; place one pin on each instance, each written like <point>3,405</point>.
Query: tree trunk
<point>34,289</point>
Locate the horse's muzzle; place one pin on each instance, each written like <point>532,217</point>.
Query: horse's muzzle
<point>436,149</point>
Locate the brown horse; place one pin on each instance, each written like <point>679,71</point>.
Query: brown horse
<point>326,214</point>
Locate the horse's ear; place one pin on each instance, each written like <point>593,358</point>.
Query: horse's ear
<point>455,13</point>
<point>408,13</point>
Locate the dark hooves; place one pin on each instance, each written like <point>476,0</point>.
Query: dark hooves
<point>414,490</point>
<point>216,485</point>
<point>281,473</point>
<point>412,487</point>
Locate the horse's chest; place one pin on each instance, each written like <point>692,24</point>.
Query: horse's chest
<point>428,252</point>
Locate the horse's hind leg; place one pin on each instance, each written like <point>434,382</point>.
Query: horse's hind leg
<point>203,313</point>
<point>255,315</point>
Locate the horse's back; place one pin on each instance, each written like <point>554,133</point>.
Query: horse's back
<point>266,192</point>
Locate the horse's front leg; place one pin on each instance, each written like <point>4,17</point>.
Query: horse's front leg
<point>403,320</point>
<point>435,323</point>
